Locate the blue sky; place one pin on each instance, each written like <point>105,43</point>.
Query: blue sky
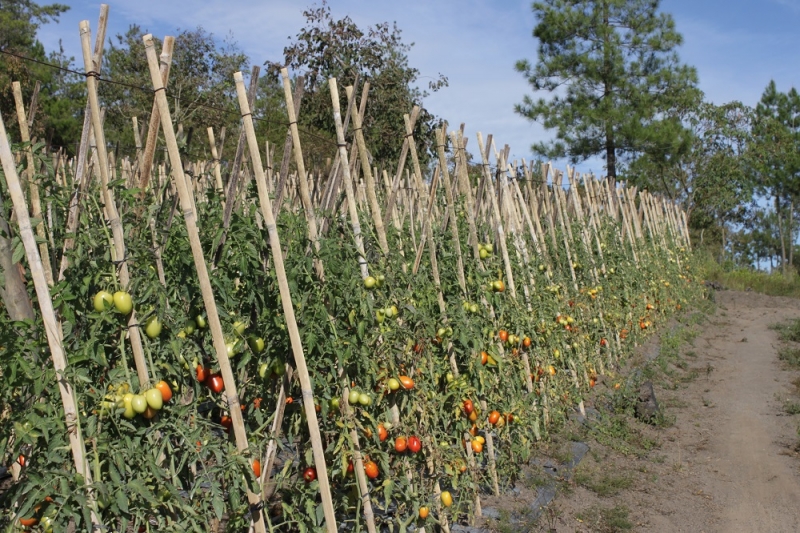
<point>736,46</point>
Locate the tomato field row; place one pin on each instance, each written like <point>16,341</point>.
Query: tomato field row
<point>325,349</point>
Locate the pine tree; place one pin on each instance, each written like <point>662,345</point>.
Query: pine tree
<point>615,73</point>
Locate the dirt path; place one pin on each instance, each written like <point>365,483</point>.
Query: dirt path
<point>726,460</point>
<point>753,483</point>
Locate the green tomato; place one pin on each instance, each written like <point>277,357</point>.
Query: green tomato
<point>364,399</point>
<point>263,370</point>
<point>354,397</point>
<point>381,279</point>
<point>395,310</point>
<point>473,308</point>
<point>152,327</point>
<point>154,399</point>
<point>449,377</point>
<point>279,367</point>
<point>334,404</point>
<point>230,348</point>
<point>441,333</point>
<point>239,327</point>
<point>256,344</point>
<point>380,315</point>
<point>483,253</point>
<point>370,282</point>
<point>200,320</point>
<point>46,523</point>
<point>102,301</point>
<point>393,384</point>
<point>139,403</point>
<point>127,404</point>
<point>123,302</point>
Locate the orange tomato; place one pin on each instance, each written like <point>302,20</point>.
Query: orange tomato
<point>149,413</point>
<point>382,433</point>
<point>484,358</point>
<point>257,467</point>
<point>226,423</point>
<point>494,416</point>
<point>400,444</point>
<point>526,342</point>
<point>423,512</point>
<point>202,373</point>
<point>28,522</point>
<point>257,403</point>
<point>166,392</point>
<point>406,382</point>
<point>473,416</point>
<point>503,335</point>
<point>477,446</point>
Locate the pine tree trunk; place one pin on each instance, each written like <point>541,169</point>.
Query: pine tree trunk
<point>781,235</point>
<point>791,235</point>
<point>611,152</point>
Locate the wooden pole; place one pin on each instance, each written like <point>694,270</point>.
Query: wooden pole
<point>288,308</point>
<point>114,221</point>
<point>79,179</point>
<point>202,271</point>
<point>51,326</point>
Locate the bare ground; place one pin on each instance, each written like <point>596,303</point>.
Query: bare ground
<point>725,457</point>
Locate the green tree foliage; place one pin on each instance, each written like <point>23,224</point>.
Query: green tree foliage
<point>200,89</point>
<point>59,105</point>
<point>327,47</point>
<point>615,73</point>
<point>705,167</point>
<point>776,160</point>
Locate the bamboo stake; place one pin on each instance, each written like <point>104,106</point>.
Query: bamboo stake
<point>497,220</point>
<point>308,208</point>
<point>113,219</point>
<point>51,325</point>
<point>146,169</point>
<point>288,308</point>
<point>351,203</point>
<point>202,272</point>
<point>375,208</point>
<point>79,179</point>
<point>33,186</point>
<point>216,164</point>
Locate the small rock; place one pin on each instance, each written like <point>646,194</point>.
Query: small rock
<point>647,407</point>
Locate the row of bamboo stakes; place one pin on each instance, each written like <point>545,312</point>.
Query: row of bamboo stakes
<point>498,201</point>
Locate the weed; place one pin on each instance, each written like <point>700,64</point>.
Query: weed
<point>791,408</point>
<point>605,484</point>
<point>607,520</point>
<point>788,331</point>
<point>790,356</point>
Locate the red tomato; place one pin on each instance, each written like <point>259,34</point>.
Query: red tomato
<point>468,407</point>
<point>215,383</point>
<point>226,423</point>
<point>310,474</point>
<point>371,469</point>
<point>494,416</point>
<point>414,444</point>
